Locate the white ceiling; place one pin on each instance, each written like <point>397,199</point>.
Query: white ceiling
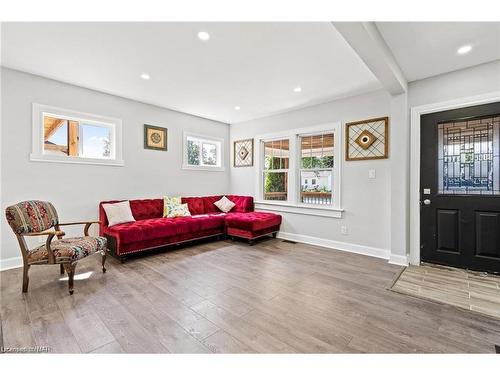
<point>251,65</point>
<point>425,49</point>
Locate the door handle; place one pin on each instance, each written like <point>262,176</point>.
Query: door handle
<point>427,202</point>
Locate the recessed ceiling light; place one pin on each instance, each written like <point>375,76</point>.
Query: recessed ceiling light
<point>297,89</point>
<point>203,35</point>
<point>464,49</point>
<point>145,76</point>
<point>237,108</point>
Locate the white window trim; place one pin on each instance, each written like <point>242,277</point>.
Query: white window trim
<point>37,145</point>
<point>186,166</point>
<point>292,204</point>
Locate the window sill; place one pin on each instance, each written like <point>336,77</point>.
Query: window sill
<point>211,169</point>
<point>75,160</point>
<point>331,212</point>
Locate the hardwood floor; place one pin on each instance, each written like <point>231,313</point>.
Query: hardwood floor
<point>228,297</point>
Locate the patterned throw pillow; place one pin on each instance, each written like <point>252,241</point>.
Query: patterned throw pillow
<point>169,203</point>
<point>179,210</point>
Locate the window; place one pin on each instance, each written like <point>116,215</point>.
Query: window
<point>299,170</point>
<point>275,174</point>
<point>469,156</point>
<point>202,152</point>
<point>61,135</point>
<point>316,168</point>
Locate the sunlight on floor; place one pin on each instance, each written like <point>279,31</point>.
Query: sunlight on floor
<point>81,276</point>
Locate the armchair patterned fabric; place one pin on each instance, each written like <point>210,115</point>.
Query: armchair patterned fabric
<point>68,250</point>
<point>38,218</point>
<point>31,216</point>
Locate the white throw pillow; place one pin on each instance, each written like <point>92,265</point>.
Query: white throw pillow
<point>118,213</point>
<point>224,204</point>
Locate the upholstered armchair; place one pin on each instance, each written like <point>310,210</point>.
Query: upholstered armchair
<point>37,218</point>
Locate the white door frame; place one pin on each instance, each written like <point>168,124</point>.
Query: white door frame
<point>416,112</point>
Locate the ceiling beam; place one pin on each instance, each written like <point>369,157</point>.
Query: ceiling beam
<point>368,43</point>
<point>50,126</point>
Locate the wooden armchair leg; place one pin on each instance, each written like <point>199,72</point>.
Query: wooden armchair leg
<point>103,255</point>
<point>26,279</point>
<point>62,268</point>
<point>70,270</point>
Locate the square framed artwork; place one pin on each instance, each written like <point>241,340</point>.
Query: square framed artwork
<point>367,139</point>
<point>243,153</point>
<point>155,138</point>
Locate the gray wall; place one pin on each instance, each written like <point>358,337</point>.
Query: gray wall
<point>480,79</point>
<point>366,201</point>
<point>76,189</point>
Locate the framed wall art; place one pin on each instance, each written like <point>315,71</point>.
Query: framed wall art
<point>243,153</point>
<point>155,138</point>
<point>367,139</point>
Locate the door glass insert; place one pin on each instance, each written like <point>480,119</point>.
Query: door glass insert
<point>469,156</point>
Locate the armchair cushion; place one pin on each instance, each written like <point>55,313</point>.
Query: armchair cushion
<point>68,249</point>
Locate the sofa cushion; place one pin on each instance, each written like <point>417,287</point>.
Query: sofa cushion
<point>187,224</point>
<point>195,205</point>
<point>210,221</point>
<point>242,203</point>
<point>253,221</point>
<point>143,230</point>
<point>208,202</point>
<point>146,208</point>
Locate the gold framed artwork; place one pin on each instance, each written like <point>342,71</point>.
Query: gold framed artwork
<point>155,138</point>
<point>243,153</point>
<point>367,139</point>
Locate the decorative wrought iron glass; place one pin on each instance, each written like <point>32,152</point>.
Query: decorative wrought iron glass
<point>469,156</point>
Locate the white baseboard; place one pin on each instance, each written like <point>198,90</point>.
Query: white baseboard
<point>7,264</point>
<point>337,245</point>
<point>400,260</point>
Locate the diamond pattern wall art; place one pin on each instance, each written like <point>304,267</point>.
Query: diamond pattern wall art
<point>367,139</point>
<point>243,153</point>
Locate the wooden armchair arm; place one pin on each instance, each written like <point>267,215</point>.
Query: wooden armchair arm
<point>87,225</point>
<point>45,233</point>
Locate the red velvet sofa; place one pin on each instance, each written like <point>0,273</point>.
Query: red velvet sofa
<point>152,230</point>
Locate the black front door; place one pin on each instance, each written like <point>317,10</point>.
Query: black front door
<point>460,188</point>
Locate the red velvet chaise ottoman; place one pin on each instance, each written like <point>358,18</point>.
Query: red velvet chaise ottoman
<point>252,225</point>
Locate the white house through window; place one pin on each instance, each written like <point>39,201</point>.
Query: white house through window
<point>316,168</point>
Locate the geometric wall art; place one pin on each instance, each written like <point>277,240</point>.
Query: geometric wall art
<point>367,139</point>
<point>243,153</point>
